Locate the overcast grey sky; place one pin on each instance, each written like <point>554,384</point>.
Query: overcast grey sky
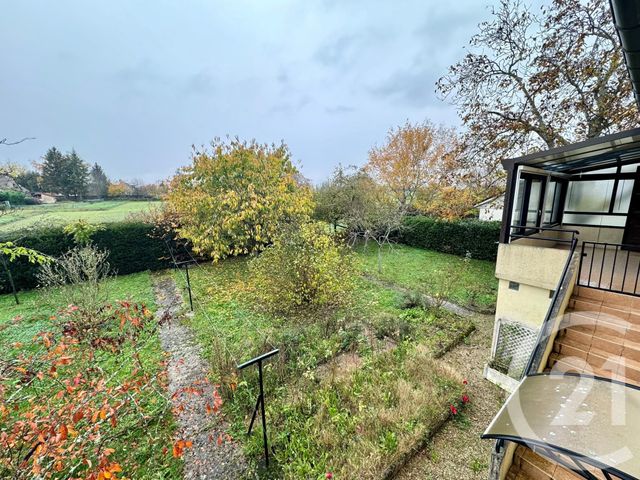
<point>133,84</point>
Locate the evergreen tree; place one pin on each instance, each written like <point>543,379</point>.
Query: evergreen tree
<point>76,175</point>
<point>65,174</point>
<point>53,171</point>
<point>98,182</point>
<point>29,180</point>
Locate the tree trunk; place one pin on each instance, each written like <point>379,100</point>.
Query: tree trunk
<point>13,285</point>
<point>379,258</point>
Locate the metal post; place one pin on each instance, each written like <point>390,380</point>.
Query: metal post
<point>260,401</point>
<point>264,419</point>
<point>186,267</point>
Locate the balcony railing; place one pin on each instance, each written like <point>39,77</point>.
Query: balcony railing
<point>614,267</point>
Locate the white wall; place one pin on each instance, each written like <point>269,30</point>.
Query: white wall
<point>490,214</point>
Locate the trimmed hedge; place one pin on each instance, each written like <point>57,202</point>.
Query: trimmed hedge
<point>131,249</point>
<point>16,198</point>
<point>477,238</point>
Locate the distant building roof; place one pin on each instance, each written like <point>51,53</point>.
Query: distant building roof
<point>490,200</point>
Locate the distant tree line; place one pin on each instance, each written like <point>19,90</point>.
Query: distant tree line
<point>67,174</point>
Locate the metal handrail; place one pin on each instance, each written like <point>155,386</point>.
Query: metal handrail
<point>548,317</point>
<point>544,229</point>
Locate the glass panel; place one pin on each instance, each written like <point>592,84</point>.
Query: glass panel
<point>552,202</point>
<point>589,196</point>
<point>629,168</point>
<point>534,202</point>
<point>517,209</point>
<point>599,172</point>
<point>623,196</point>
<point>594,220</point>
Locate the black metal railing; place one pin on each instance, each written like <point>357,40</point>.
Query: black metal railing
<point>545,334</point>
<point>520,231</point>
<point>614,267</point>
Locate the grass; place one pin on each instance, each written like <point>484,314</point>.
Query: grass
<point>63,213</point>
<point>352,392</point>
<point>139,457</point>
<point>469,283</point>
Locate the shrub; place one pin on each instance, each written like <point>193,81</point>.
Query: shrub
<point>15,198</point>
<point>305,269</point>
<point>131,247</point>
<point>81,231</point>
<point>463,237</point>
<point>79,273</point>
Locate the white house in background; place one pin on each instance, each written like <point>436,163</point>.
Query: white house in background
<point>491,208</point>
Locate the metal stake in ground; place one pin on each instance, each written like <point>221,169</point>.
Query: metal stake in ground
<point>260,401</point>
<point>186,264</point>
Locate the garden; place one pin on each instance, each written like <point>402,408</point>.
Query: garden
<point>353,394</point>
<point>89,388</point>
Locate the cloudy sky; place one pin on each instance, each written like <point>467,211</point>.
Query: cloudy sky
<point>132,85</point>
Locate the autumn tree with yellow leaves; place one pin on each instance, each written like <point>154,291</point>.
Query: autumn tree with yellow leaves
<point>235,197</point>
<point>413,156</point>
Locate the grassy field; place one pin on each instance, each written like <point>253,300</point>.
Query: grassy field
<point>140,446</point>
<point>467,282</point>
<point>352,392</point>
<point>63,213</point>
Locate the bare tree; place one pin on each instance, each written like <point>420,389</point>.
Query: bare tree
<point>5,141</point>
<point>540,79</point>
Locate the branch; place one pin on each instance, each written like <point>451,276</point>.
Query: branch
<point>5,141</point>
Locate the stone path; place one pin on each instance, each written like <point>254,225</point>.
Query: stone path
<point>193,396</point>
<point>457,452</point>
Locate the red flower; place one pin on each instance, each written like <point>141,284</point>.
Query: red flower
<point>329,475</point>
<point>464,382</point>
<point>453,409</point>
<point>465,398</point>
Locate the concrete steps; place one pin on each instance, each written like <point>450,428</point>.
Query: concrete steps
<point>599,335</point>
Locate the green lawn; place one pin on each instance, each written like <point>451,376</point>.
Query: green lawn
<point>141,442</point>
<point>470,283</point>
<point>63,213</point>
<point>351,392</point>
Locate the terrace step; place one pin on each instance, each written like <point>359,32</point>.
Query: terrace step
<point>600,335</point>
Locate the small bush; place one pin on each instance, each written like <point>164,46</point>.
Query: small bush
<point>79,274</point>
<point>412,299</point>
<point>81,231</point>
<point>464,237</point>
<point>305,269</point>
<point>395,328</point>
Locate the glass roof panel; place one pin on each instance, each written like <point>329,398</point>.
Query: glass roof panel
<point>592,419</point>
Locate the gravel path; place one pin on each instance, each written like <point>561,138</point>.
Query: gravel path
<point>457,452</point>
<point>192,395</point>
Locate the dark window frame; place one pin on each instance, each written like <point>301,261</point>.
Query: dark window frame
<point>528,178</point>
<point>616,177</point>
